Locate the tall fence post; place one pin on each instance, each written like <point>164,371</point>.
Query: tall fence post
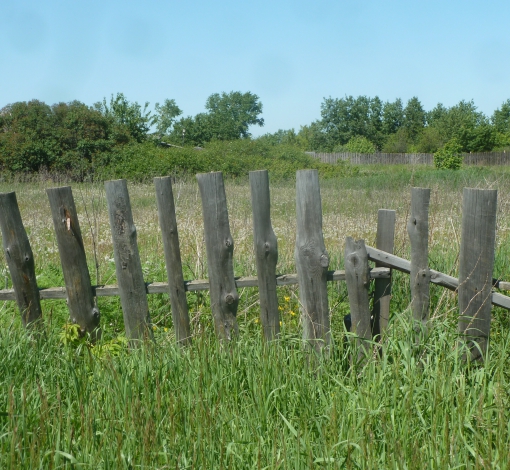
<point>476,264</point>
<point>266,253</point>
<point>20,260</point>
<point>132,290</point>
<point>358,282</point>
<point>220,248</point>
<point>418,230</point>
<point>168,224</point>
<point>382,290</point>
<point>312,261</point>
<point>80,299</point>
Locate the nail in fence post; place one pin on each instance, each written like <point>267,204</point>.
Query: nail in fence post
<point>476,263</point>
<point>358,282</point>
<point>382,290</point>
<point>20,260</point>
<point>266,253</point>
<point>220,248</point>
<point>418,230</point>
<point>132,289</point>
<point>168,224</point>
<point>312,261</point>
<point>80,298</point>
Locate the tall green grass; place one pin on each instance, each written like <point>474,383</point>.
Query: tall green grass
<point>67,404</point>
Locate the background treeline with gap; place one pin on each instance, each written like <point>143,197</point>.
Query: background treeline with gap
<point>118,138</point>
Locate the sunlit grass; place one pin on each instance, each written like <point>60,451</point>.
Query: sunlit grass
<point>64,402</point>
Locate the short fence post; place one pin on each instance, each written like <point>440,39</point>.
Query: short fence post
<point>418,230</point>
<point>312,261</point>
<point>132,289</point>
<point>168,224</point>
<point>219,247</point>
<point>80,299</point>
<point>266,253</point>
<point>357,279</point>
<point>476,263</point>
<point>382,290</point>
<point>20,260</point>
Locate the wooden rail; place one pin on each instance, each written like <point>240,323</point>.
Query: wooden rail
<point>475,287</point>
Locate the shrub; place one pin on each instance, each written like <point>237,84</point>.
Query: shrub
<point>449,157</point>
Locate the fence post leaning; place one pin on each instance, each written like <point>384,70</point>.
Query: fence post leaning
<point>219,248</point>
<point>266,253</point>
<point>358,282</point>
<point>128,268</point>
<point>382,290</point>
<point>418,230</point>
<point>312,261</point>
<point>476,263</point>
<point>80,299</point>
<point>168,224</point>
<point>20,260</point>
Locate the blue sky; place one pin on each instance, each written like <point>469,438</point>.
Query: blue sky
<point>291,53</point>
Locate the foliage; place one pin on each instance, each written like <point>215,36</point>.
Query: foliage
<point>449,157</point>
<point>228,117</point>
<point>165,116</point>
<point>360,144</point>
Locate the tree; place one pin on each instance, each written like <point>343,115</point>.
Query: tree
<point>166,115</point>
<point>130,119</point>
<point>469,127</point>
<point>501,118</point>
<point>231,114</point>
<point>392,117</point>
<point>414,118</point>
<point>347,117</point>
<point>449,157</point>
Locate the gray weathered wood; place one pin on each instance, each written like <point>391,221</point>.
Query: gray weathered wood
<point>80,299</point>
<point>358,282</point>
<point>476,263</point>
<point>418,230</point>
<point>266,253</point>
<point>176,289</point>
<point>312,261</point>
<point>436,277</point>
<point>132,291</point>
<point>219,248</point>
<point>194,285</point>
<point>20,260</point>
<point>382,289</point>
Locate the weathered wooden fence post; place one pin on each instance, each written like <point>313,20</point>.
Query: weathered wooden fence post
<point>418,230</point>
<point>80,299</point>
<point>266,253</point>
<point>382,291</point>
<point>168,224</point>
<point>312,261</point>
<point>219,248</point>
<point>476,264</point>
<point>132,290</point>
<point>357,279</point>
<point>20,260</point>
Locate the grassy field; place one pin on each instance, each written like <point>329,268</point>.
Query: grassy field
<point>66,404</point>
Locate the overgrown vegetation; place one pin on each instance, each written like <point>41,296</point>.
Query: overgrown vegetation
<point>123,138</point>
<point>67,404</point>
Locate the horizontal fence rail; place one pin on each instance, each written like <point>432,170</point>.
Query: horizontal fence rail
<point>485,158</point>
<point>367,320</point>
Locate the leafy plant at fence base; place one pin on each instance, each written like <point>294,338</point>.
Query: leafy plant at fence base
<point>449,157</point>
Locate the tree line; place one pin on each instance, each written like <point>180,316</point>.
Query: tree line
<point>77,138</point>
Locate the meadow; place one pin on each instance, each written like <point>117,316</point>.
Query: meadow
<point>65,403</point>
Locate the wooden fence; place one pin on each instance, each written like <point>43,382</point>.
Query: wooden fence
<point>486,159</point>
<point>474,286</point>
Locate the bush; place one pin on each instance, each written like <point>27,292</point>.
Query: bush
<point>449,157</point>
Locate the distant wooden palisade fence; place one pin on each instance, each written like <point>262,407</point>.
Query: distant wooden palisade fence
<point>487,158</point>
<point>474,286</point>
